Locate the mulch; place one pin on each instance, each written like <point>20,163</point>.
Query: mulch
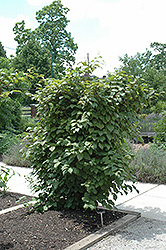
<point>25,230</point>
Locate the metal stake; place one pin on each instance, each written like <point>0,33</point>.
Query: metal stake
<point>101,216</point>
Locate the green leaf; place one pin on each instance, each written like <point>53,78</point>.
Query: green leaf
<point>102,138</point>
<point>76,171</point>
<point>52,148</point>
<point>80,156</point>
<point>108,118</point>
<point>100,125</point>
<point>70,170</point>
<point>2,184</point>
<point>110,127</point>
<point>91,130</point>
<point>86,156</point>
<point>106,160</point>
<point>101,145</point>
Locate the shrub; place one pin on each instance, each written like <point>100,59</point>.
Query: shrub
<point>160,132</point>
<point>14,157</point>
<point>10,115</point>
<point>28,122</point>
<point>78,149</point>
<point>7,140</point>
<point>149,165</point>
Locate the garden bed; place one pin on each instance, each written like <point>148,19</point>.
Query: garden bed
<point>21,229</point>
<point>11,199</point>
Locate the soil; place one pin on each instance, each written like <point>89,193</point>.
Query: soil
<point>25,230</point>
<point>11,199</point>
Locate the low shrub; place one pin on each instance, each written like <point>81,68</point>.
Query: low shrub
<point>10,115</point>
<point>149,164</point>
<point>8,140</point>
<point>14,157</point>
<point>160,132</point>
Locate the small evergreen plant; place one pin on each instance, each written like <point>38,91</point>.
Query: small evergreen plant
<point>77,149</point>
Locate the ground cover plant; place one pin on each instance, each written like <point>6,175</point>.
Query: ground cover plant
<point>77,149</point>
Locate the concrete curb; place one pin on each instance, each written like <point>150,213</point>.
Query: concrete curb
<point>104,232</point>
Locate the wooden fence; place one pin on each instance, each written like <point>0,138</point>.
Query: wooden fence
<point>29,111</point>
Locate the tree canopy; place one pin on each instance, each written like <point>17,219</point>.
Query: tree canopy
<point>51,36</point>
<point>2,50</point>
<point>150,65</point>
<point>33,56</point>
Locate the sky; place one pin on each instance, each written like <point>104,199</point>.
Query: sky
<point>109,28</point>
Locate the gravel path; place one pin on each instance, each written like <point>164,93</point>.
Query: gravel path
<point>140,235</point>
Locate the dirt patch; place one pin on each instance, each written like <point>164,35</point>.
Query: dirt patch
<point>10,199</point>
<point>23,230</point>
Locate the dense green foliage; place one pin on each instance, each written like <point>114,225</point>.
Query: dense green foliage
<point>33,56</point>
<point>10,115</point>
<point>5,63</point>
<point>13,87</point>
<point>150,65</point>
<point>77,149</point>
<point>10,108</point>
<point>2,50</point>
<point>160,132</point>
<point>51,36</point>
<point>7,140</point>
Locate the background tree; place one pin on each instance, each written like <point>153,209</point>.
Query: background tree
<point>33,56</point>
<point>50,37</point>
<point>13,86</point>
<point>136,65</point>
<point>159,57</point>
<point>5,63</point>
<point>53,34</point>
<point>2,50</point>
<point>150,65</point>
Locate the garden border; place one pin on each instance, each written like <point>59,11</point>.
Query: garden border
<point>98,235</point>
<point>106,231</point>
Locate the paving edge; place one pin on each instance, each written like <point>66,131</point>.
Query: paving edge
<point>104,232</point>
